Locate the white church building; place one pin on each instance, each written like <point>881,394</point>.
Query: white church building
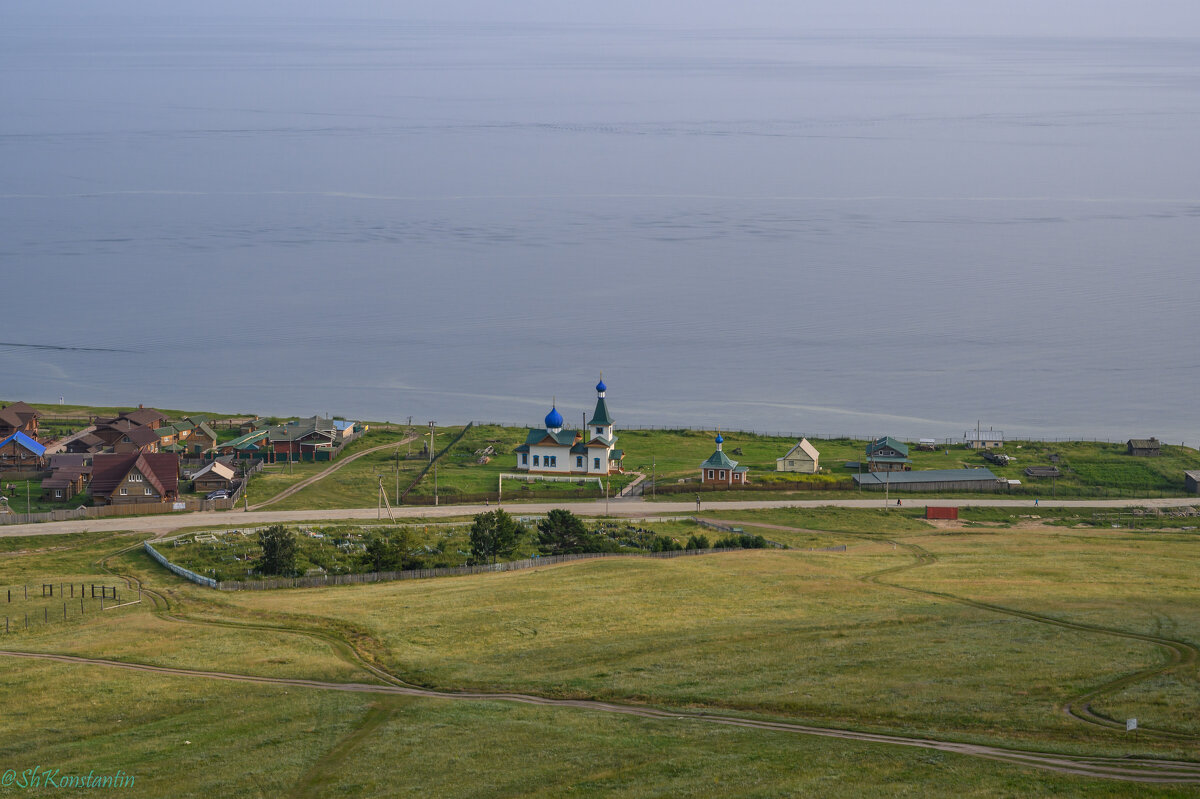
<point>553,450</point>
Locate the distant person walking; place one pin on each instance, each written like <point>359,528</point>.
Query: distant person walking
<point>1035,501</point>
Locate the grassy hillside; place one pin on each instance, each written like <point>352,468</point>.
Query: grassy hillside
<point>820,637</point>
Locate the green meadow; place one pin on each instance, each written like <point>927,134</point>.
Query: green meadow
<point>960,633</point>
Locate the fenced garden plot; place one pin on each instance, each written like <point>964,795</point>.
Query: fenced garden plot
<point>338,554</point>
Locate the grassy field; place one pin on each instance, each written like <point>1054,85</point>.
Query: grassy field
<point>880,637</point>
<point>1089,469</point>
<point>183,737</point>
<point>459,474</point>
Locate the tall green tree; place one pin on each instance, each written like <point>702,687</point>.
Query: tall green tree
<point>388,551</point>
<point>279,550</point>
<point>563,533</point>
<point>494,534</point>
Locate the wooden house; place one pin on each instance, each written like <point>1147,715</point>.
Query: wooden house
<point>1144,447</point>
<point>202,439</point>
<point>303,439</point>
<point>214,476</point>
<point>19,418</point>
<point>88,443</point>
<point>1191,482</point>
<point>801,458</point>
<point>130,477</point>
<point>886,454</point>
<point>69,476</point>
<point>137,439</point>
<point>110,431</point>
<point>19,451</point>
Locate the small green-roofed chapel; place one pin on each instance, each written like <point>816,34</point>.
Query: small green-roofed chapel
<point>719,469</point>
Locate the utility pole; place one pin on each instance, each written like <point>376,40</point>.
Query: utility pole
<point>653,477</point>
<point>397,468</point>
<point>431,442</point>
<point>435,496</point>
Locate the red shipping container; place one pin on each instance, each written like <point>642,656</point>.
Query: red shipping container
<point>940,513</point>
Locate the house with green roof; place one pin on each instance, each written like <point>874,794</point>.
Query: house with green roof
<point>555,450</point>
<point>886,454</point>
<point>719,469</point>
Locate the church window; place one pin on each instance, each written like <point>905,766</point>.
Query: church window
<point>535,460</point>
<point>595,463</point>
<point>578,461</point>
<point>710,474</point>
<point>722,474</point>
<point>524,459</point>
<point>599,430</point>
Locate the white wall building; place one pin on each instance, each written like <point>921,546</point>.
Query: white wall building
<point>801,458</point>
<point>553,450</point>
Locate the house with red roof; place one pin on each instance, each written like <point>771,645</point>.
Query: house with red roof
<point>125,478</point>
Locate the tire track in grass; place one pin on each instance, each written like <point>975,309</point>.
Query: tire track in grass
<point>1126,769</point>
<point>1178,653</point>
<point>1132,769</point>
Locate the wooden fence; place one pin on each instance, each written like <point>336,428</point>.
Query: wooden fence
<point>428,466</point>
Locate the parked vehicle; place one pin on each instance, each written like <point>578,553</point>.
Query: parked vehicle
<point>220,493</point>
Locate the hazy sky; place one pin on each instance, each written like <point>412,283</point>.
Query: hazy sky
<point>1176,18</point>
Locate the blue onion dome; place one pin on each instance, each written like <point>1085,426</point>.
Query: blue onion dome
<point>720,440</point>
<point>554,419</point>
<point>600,387</point>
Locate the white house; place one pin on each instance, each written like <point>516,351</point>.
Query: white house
<point>553,450</point>
<point>800,458</point>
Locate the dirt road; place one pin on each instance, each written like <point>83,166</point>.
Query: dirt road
<point>628,508</point>
<point>333,467</point>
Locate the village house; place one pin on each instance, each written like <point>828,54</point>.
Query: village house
<point>1144,447</point>
<point>126,478</point>
<point>202,439</point>
<point>215,476</point>
<point>554,450</point>
<point>19,451</point>
<point>137,439</point>
<point>801,458</point>
<point>303,440</point>
<point>69,476</point>
<point>720,470</point>
<point>886,454</point>
<point>140,417</point>
<point>249,445</point>
<point>112,430</point>
<point>1191,482</point>
<point>88,443</point>
<point>19,418</point>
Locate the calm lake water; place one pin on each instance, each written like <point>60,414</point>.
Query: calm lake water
<point>814,232</point>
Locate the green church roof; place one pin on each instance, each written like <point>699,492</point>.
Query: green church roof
<point>601,416</point>
<point>718,460</point>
